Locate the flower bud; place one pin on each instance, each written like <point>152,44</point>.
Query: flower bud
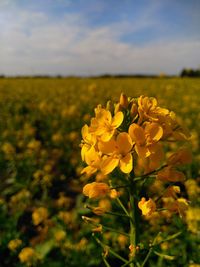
<point>123,100</point>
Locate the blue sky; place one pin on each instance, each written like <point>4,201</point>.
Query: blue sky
<point>89,37</point>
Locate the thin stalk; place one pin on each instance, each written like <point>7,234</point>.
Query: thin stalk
<point>108,212</point>
<point>113,230</point>
<point>106,262</point>
<point>134,233</point>
<point>116,214</point>
<point>150,251</point>
<point>138,178</point>
<point>122,206</point>
<point>126,264</point>
<point>110,250</point>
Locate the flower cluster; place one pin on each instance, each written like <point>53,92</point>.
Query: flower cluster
<point>137,128</point>
<point>132,135</point>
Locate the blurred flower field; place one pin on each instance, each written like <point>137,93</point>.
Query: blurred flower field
<point>41,180</point>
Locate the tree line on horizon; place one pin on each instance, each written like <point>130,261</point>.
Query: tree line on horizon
<point>186,72</point>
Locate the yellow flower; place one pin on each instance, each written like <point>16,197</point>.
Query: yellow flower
<point>114,193</point>
<point>105,204</point>
<point>179,205</point>
<point>145,138</point>
<point>170,174</point>
<point>118,153</point>
<point>98,210</point>
<point>192,188</point>
<point>89,140</point>
<point>183,156</point>
<point>172,191</point>
<point>34,145</point>
<point>94,190</point>
<point>60,235</point>
<point>14,244</point>
<point>123,100</point>
<point>93,160</point>
<point>147,207</point>
<point>148,109</point>
<point>122,240</point>
<point>39,215</point>
<point>7,148</point>
<point>27,255</point>
<point>103,125</point>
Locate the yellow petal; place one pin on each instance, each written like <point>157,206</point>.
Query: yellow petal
<point>126,163</point>
<point>89,170</point>
<point>109,164</point>
<point>154,131</point>
<point>94,190</point>
<point>117,119</point>
<point>183,156</point>
<point>137,133</point>
<point>124,143</point>
<point>107,147</point>
<point>142,151</point>
<point>171,175</point>
<point>107,135</point>
<point>84,131</point>
<point>84,150</point>
<point>91,156</point>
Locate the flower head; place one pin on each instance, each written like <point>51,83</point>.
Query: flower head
<point>103,125</point>
<point>147,206</point>
<point>95,190</point>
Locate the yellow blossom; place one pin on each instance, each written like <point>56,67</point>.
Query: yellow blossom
<point>172,191</point>
<point>98,210</point>
<point>147,206</point>
<point>171,175</point>
<point>88,141</point>
<point>27,255</point>
<point>148,109</point>
<point>39,215</point>
<point>179,205</point>
<point>94,190</point>
<point>123,101</point>
<point>122,240</point>
<point>118,153</point>
<point>114,193</point>
<point>93,161</point>
<point>8,148</point>
<point>59,235</point>
<point>103,125</point>
<point>14,244</point>
<point>105,204</point>
<point>145,139</point>
<point>183,156</point>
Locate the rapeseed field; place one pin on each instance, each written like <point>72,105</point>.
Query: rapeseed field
<point>57,209</point>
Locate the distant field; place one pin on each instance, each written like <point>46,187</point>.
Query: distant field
<point>40,163</point>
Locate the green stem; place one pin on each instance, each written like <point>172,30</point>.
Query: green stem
<point>150,251</point>
<point>149,173</point>
<point>116,214</point>
<point>122,206</point>
<point>106,262</point>
<point>110,250</point>
<point>113,230</point>
<point>134,233</point>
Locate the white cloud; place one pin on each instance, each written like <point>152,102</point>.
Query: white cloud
<point>31,44</point>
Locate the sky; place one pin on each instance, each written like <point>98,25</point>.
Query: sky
<point>93,37</point>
